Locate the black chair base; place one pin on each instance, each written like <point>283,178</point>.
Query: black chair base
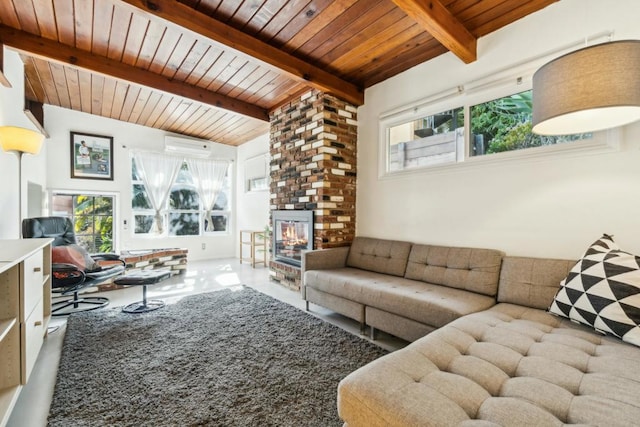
<point>143,306</point>
<point>143,278</point>
<point>77,305</point>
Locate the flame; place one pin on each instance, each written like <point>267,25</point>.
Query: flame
<point>290,234</point>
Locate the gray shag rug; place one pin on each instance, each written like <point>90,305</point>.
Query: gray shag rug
<point>225,358</point>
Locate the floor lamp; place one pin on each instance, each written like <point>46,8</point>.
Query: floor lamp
<point>20,141</point>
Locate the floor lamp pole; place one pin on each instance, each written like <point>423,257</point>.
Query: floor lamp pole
<point>20,140</point>
<point>19,154</point>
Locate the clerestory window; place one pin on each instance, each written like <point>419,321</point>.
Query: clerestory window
<point>504,124</point>
<point>471,126</point>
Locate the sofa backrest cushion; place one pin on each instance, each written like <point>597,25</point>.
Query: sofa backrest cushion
<point>531,282</point>
<point>379,255</point>
<point>471,269</point>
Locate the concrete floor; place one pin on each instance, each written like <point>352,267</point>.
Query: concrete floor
<point>32,407</point>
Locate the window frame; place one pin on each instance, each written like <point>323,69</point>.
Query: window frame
<point>222,212</point>
<point>115,237</point>
<point>409,116</point>
<point>168,210</point>
<point>191,187</point>
<point>474,93</point>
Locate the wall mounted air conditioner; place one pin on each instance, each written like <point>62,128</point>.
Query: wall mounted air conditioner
<point>187,147</point>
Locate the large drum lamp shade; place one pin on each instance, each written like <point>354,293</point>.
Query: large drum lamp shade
<point>588,90</point>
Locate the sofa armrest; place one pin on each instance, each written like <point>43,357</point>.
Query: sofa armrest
<point>323,259</point>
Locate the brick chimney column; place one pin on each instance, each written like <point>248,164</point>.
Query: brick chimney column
<point>313,142</point>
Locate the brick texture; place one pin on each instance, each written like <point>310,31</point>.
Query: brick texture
<point>313,167</point>
<point>174,260</point>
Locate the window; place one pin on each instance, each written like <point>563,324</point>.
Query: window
<point>486,122</point>
<point>504,124</point>
<point>429,140</point>
<point>91,216</point>
<point>140,204</point>
<point>221,208</point>
<point>184,212</point>
<point>184,205</point>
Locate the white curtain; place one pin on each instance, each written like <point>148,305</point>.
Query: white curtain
<point>158,173</point>
<point>208,176</point>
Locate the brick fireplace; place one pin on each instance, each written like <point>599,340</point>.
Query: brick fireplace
<point>313,168</point>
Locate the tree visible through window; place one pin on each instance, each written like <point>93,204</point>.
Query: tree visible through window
<point>504,124</point>
<point>462,128</point>
<point>91,216</point>
<point>185,211</point>
<point>184,205</point>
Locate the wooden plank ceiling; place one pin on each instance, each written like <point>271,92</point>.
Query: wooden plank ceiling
<point>213,69</point>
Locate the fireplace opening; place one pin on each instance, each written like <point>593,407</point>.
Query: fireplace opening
<point>292,233</point>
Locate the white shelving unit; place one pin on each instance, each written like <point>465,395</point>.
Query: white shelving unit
<point>25,311</point>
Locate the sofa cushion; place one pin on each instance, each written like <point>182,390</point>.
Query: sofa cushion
<point>531,282</point>
<point>475,270</point>
<point>381,256</point>
<point>603,291</point>
<point>430,304</point>
<point>509,365</point>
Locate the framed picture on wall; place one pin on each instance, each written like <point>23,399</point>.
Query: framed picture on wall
<point>91,156</point>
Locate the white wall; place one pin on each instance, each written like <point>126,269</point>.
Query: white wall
<point>51,170</point>
<point>33,167</point>
<point>554,207</point>
<point>127,137</point>
<point>253,207</point>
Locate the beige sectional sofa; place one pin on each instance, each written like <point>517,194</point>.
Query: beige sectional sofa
<point>404,289</point>
<point>509,364</point>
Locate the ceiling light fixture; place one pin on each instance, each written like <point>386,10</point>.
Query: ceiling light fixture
<point>588,90</point>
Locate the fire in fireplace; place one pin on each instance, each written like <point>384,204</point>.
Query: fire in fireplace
<point>292,233</point>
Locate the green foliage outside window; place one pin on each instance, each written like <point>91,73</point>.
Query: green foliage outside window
<point>185,214</point>
<point>184,224</point>
<point>93,222</point>
<point>184,198</point>
<point>92,219</point>
<point>504,124</point>
<point>140,199</point>
<point>143,223</point>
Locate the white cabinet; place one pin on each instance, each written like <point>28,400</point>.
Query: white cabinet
<point>25,310</point>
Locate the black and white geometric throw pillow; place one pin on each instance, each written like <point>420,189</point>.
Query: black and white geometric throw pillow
<point>603,291</point>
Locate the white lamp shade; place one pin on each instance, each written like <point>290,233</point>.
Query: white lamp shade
<point>588,90</point>
<point>13,138</point>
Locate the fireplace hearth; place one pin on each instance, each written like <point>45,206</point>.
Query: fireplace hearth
<point>292,234</point>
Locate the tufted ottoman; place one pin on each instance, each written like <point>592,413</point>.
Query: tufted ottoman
<point>506,366</point>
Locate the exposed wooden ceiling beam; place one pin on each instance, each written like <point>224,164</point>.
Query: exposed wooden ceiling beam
<point>204,26</point>
<point>3,80</point>
<point>33,45</point>
<point>442,25</point>
<point>35,112</point>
